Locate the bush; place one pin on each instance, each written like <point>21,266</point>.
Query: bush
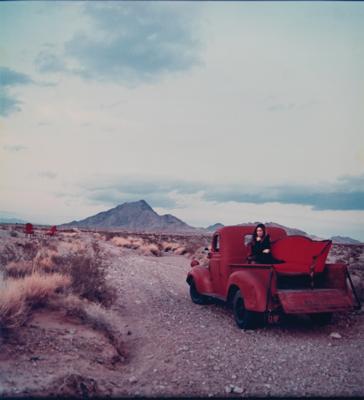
<point>19,296</point>
<point>88,277</point>
<point>18,269</point>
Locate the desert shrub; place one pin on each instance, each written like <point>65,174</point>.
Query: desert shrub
<point>150,249</point>
<point>168,246</point>
<point>18,269</point>
<point>29,249</point>
<point>42,263</point>
<point>13,308</point>
<point>108,236</point>
<point>94,315</point>
<point>130,242</point>
<point>14,234</point>
<point>88,277</point>
<point>181,250</point>
<point>122,242</point>
<point>19,296</point>
<point>8,253</point>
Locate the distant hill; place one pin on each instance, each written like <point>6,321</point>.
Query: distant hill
<point>214,227</point>
<point>140,216</point>
<point>134,216</point>
<point>344,240</point>
<point>290,231</point>
<point>6,220</point>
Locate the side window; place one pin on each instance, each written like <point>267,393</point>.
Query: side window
<point>216,243</point>
<point>247,239</point>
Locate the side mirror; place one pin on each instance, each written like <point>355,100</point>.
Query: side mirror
<point>194,263</point>
<point>209,254</point>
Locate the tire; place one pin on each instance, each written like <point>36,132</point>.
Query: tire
<point>244,318</point>
<point>196,296</point>
<point>321,319</point>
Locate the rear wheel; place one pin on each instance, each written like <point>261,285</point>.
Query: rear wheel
<point>196,296</point>
<point>321,318</point>
<point>244,318</point>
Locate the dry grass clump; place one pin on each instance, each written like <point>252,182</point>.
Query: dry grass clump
<point>42,263</point>
<point>19,296</point>
<point>94,315</point>
<point>135,243</point>
<point>83,265</point>
<point>150,249</point>
<point>121,242</point>
<point>154,244</point>
<point>18,269</point>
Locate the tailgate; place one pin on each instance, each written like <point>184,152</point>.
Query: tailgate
<point>308,301</point>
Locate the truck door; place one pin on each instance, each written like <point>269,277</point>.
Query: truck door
<point>214,265</point>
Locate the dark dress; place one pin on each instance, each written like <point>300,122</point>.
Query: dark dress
<point>257,254</point>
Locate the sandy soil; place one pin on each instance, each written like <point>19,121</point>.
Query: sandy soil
<point>177,348</point>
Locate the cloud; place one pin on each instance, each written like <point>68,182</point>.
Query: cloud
<point>48,62</point>
<point>48,174</point>
<point>14,147</point>
<point>117,190</point>
<point>344,194</point>
<point>9,78</point>
<point>8,103</point>
<point>128,43</point>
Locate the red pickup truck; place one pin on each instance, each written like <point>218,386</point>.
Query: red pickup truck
<point>260,293</point>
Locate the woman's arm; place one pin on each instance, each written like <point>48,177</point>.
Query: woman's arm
<point>266,244</point>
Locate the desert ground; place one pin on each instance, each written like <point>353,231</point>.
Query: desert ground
<point>103,313</point>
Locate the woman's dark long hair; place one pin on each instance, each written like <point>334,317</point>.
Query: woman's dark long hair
<point>254,238</point>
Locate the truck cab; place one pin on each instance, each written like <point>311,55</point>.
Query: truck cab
<point>303,284</point>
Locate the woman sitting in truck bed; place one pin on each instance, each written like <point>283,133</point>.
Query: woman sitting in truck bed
<point>260,247</point>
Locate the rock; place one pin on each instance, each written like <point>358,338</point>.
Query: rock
<point>228,389</point>
<point>237,389</point>
<point>183,348</point>
<point>233,389</point>
<point>335,335</point>
<point>133,379</point>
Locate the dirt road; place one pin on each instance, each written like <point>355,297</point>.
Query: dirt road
<point>177,348</point>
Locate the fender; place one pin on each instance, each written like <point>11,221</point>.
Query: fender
<point>253,285</point>
<point>201,277</point>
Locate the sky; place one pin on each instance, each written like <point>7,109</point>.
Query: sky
<point>223,112</point>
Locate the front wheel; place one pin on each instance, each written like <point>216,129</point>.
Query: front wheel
<point>196,296</point>
<point>244,318</point>
<point>321,318</point>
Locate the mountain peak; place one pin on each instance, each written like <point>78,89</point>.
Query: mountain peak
<point>139,204</point>
<point>136,216</point>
